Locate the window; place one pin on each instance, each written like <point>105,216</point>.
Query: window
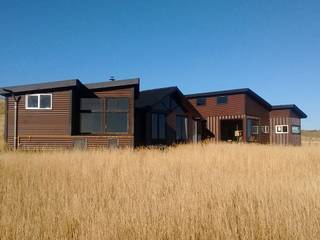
<point>265,129</point>
<point>158,126</point>
<point>255,130</point>
<point>201,101</point>
<point>222,100</point>
<point>91,115</point>
<point>295,129</point>
<point>100,115</point>
<point>39,101</point>
<point>117,115</point>
<point>181,128</point>
<point>281,129</point>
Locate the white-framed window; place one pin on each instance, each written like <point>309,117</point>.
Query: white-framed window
<point>282,129</point>
<point>295,129</point>
<point>265,129</point>
<point>255,130</point>
<point>39,101</point>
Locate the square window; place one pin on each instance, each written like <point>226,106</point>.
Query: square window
<point>32,101</point>
<point>295,129</point>
<point>90,123</point>
<point>116,122</point>
<point>45,101</point>
<point>222,100</point>
<point>255,130</point>
<point>201,101</point>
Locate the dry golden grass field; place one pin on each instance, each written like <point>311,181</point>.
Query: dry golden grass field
<point>210,191</point>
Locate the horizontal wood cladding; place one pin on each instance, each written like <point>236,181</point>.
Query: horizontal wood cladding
<point>67,142</point>
<point>53,121</point>
<point>235,106</point>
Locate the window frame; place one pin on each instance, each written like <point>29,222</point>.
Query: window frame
<point>265,129</point>
<point>158,114</point>
<point>201,101</point>
<point>186,120</point>
<point>103,118</point>
<point>222,103</point>
<point>294,125</point>
<point>255,130</point>
<point>39,99</point>
<point>282,132</point>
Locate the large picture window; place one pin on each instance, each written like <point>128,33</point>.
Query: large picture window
<point>158,126</point>
<point>181,128</point>
<point>104,115</point>
<point>39,101</point>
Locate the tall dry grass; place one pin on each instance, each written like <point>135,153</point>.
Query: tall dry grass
<point>189,192</point>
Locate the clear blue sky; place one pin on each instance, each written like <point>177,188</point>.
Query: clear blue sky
<point>271,46</point>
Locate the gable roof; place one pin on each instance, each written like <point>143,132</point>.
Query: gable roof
<point>247,91</point>
<point>291,107</point>
<point>153,96</point>
<point>39,86</point>
<point>149,98</point>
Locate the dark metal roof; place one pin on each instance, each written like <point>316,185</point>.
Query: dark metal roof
<point>39,86</point>
<point>291,107</point>
<point>66,84</point>
<point>247,91</point>
<point>115,83</point>
<point>149,98</point>
<point>153,96</point>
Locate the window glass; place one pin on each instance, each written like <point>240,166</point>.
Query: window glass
<point>295,129</point>
<point>91,104</point>
<point>201,101</point>
<point>90,123</point>
<point>222,100</point>
<point>117,104</point>
<point>33,101</point>
<point>162,128</point>
<point>117,122</point>
<point>181,128</point>
<point>154,119</point>
<point>45,101</point>
<point>284,129</point>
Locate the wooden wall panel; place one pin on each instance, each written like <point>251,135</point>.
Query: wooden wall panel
<point>284,117</point>
<point>235,106</point>
<point>41,121</point>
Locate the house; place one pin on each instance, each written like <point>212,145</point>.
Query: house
<point>70,114</point>
<point>242,115</point>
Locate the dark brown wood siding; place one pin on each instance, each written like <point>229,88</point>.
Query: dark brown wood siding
<point>213,113</point>
<point>57,127</point>
<point>41,121</point>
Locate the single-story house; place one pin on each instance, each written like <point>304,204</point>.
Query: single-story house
<point>70,114</point>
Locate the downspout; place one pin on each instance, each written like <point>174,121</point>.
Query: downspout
<point>15,123</point>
